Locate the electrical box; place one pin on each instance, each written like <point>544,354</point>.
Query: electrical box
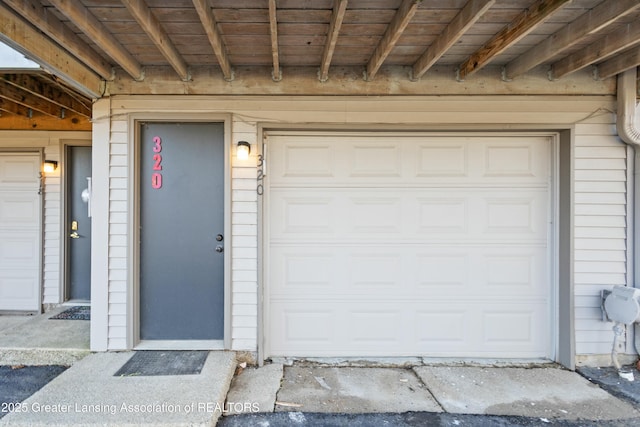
<point>622,305</point>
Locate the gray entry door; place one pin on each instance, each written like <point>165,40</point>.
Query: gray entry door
<point>78,224</point>
<point>182,231</point>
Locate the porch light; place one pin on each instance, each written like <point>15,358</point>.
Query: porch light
<point>243,150</point>
<point>49,166</point>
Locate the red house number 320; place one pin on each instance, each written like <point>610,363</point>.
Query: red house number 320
<point>156,176</point>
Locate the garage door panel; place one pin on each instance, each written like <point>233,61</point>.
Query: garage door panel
<point>404,245</point>
<point>462,329</point>
<point>18,171</point>
<point>18,209</point>
<point>20,239</point>
<point>408,271</point>
<point>344,214</point>
<point>375,160</point>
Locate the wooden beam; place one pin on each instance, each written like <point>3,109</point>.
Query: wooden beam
<point>522,25</point>
<point>32,43</point>
<point>339,9</point>
<point>14,108</point>
<point>19,96</point>
<point>89,24</point>
<point>588,23</point>
<point>210,27</point>
<point>47,92</point>
<point>46,22</point>
<point>468,16</point>
<point>273,30</point>
<point>150,24</point>
<point>612,43</point>
<point>37,121</point>
<point>620,63</point>
<point>395,29</point>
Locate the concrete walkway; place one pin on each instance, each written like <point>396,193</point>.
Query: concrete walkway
<point>89,394</point>
<point>40,340</point>
<point>534,396</point>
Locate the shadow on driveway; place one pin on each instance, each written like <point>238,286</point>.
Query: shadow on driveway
<point>19,382</point>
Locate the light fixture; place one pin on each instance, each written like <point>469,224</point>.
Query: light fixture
<point>243,150</point>
<point>49,166</point>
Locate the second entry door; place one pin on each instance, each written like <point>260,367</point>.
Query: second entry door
<point>182,231</point>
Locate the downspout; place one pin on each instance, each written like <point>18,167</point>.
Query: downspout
<point>627,127</point>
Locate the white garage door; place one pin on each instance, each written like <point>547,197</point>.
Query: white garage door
<point>399,245</point>
<point>19,231</point>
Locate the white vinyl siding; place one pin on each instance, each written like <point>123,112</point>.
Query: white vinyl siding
<point>600,233</point>
<point>52,288</point>
<point>118,234</point>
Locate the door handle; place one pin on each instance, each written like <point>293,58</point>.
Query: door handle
<point>219,248</point>
<point>74,235</point>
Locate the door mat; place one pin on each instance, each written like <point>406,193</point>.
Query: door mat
<point>152,363</point>
<point>80,312</point>
<point>18,382</point>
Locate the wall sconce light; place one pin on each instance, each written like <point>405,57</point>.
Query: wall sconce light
<point>49,166</point>
<point>243,150</point>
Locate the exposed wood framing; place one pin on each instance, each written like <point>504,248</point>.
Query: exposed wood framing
<point>210,27</point>
<point>588,23</point>
<point>31,42</point>
<point>47,92</point>
<point>33,12</point>
<point>88,24</point>
<point>620,63</point>
<point>273,30</point>
<point>471,12</point>
<point>11,107</point>
<point>339,9</point>
<point>150,24</point>
<point>522,25</point>
<point>36,121</point>
<point>611,44</point>
<point>397,26</point>
<point>19,96</point>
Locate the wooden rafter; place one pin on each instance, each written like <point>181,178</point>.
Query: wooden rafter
<point>395,29</point>
<point>273,30</point>
<point>26,99</point>
<point>471,12</point>
<point>33,12</point>
<point>339,10</point>
<point>210,27</point>
<point>11,107</point>
<point>612,43</point>
<point>620,63</point>
<point>522,25</point>
<point>24,38</point>
<point>89,24</point>
<point>588,23</point>
<point>37,88</point>
<point>150,24</point>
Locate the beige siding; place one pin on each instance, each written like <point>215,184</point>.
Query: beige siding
<point>51,293</point>
<point>118,236</point>
<point>599,181</point>
<point>600,227</point>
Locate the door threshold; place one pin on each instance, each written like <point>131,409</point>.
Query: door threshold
<point>76,302</point>
<point>180,345</point>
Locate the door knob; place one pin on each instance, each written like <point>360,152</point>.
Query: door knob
<point>219,248</point>
<point>74,235</point>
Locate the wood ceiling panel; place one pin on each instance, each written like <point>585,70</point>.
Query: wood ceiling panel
<point>303,25</point>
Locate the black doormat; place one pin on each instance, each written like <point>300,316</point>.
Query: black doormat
<point>80,312</point>
<point>18,382</point>
<point>151,363</point>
